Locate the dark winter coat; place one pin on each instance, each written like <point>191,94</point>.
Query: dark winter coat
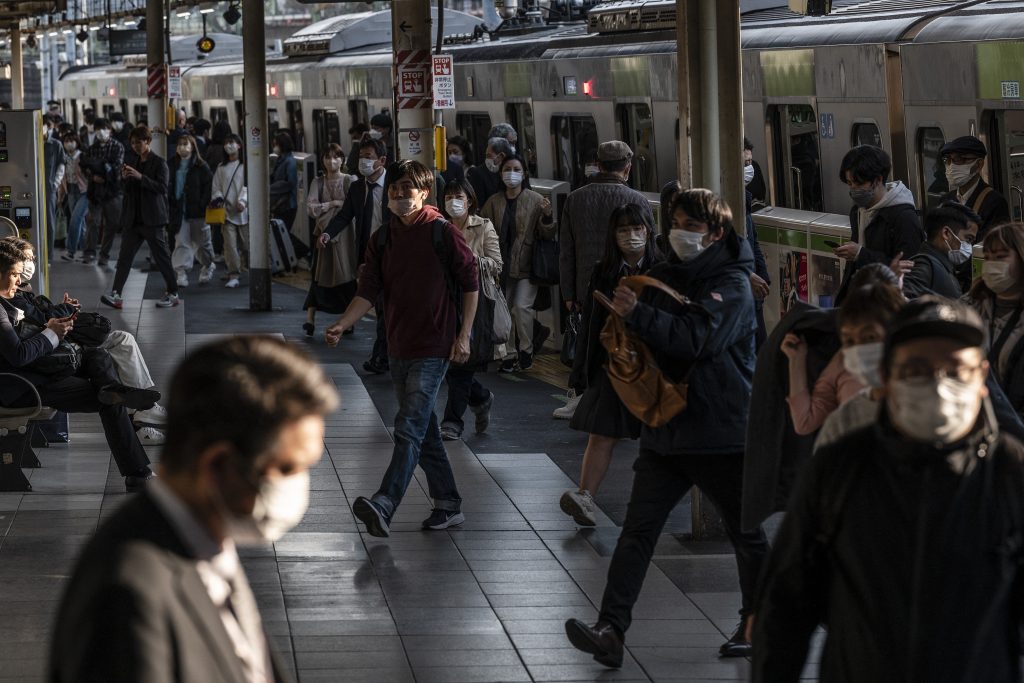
<point>718,351</point>
<point>993,207</point>
<point>894,229</point>
<point>198,188</point>
<point>933,273</point>
<point>147,196</point>
<point>909,556</point>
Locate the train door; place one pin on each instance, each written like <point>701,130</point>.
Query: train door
<point>357,112</point>
<point>273,122</point>
<point>1006,158</point>
<point>140,113</point>
<point>218,114</point>
<point>294,109</point>
<point>931,171</point>
<point>197,109</point>
<point>796,156</point>
<point>240,115</point>
<point>636,129</point>
<point>572,136</point>
<point>474,126</point>
<point>520,116</point>
<point>73,112</point>
<point>326,129</point>
<point>108,109</point>
<point>124,107</point>
<point>94,107</point>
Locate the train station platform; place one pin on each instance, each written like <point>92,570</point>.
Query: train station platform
<point>482,602</point>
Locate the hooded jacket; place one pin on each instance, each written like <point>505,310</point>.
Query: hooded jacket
<point>889,227</point>
<point>907,553</point>
<point>716,347</point>
<point>933,273</point>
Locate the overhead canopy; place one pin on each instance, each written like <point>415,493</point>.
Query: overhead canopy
<point>13,12</point>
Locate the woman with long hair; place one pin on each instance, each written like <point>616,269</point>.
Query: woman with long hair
<point>190,190</point>
<point>629,249</point>
<point>230,190</point>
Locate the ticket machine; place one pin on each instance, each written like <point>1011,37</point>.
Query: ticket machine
<point>23,184</point>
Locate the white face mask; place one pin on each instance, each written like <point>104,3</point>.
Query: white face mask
<point>367,166</point>
<point>230,148</point>
<point>455,158</point>
<point>70,147</point>
<point>591,170</point>
<point>117,125</point>
<point>512,178</point>
<point>957,175</point>
<point>686,244</point>
<point>630,243</point>
<point>333,163</point>
<point>277,150</point>
<point>864,361</point>
<point>748,174</point>
<point>491,164</point>
<point>456,207</point>
<point>404,207</point>
<point>961,255</point>
<point>934,410</point>
<point>103,135</point>
<point>184,151</point>
<point>997,277</point>
<point>28,271</point>
<point>376,134</point>
<point>280,505</point>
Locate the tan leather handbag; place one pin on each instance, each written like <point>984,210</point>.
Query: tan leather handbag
<point>647,393</point>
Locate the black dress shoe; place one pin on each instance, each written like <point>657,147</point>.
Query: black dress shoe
<point>308,329</point>
<point>600,640</point>
<point>129,397</point>
<point>738,645</point>
<point>134,482</point>
<point>376,366</point>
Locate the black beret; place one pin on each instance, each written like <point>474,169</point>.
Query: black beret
<point>968,144</point>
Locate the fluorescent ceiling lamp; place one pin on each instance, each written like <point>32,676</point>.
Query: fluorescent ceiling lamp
<point>207,7</point>
<point>53,33</point>
<point>184,12</point>
<point>130,22</point>
<point>94,28</point>
<point>69,31</point>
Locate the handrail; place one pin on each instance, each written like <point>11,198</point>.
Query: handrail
<point>39,399</point>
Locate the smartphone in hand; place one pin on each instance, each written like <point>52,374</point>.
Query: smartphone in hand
<point>831,243</point>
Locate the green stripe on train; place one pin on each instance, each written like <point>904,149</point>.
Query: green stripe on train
<point>999,63</point>
<point>788,73</point>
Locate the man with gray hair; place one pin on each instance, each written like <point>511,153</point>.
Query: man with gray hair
<point>485,179</point>
<point>505,130</point>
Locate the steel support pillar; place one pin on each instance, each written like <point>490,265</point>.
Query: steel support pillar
<point>257,171</point>
<point>17,70</point>
<point>411,31</point>
<point>156,111</point>
<point>711,136</point>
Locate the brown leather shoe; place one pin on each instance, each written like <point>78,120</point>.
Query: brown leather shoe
<point>738,645</point>
<point>600,640</point>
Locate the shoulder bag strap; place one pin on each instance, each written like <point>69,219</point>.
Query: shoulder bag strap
<point>638,282</point>
<point>982,196</point>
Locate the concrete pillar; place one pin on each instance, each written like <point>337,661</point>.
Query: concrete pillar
<point>412,26</point>
<point>17,70</point>
<point>254,133</point>
<point>156,106</point>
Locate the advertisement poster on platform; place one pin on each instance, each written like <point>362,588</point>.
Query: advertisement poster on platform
<point>792,280</point>
<point>826,280</point>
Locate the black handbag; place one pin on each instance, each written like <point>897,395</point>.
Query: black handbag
<point>544,268</point>
<point>91,329</point>
<point>569,337</point>
<point>63,361</point>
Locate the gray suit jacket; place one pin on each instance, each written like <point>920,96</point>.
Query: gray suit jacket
<point>136,610</point>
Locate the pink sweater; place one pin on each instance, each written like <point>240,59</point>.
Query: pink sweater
<point>835,386</point>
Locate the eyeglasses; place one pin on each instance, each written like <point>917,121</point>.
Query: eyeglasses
<point>958,159</point>
<point>921,370</point>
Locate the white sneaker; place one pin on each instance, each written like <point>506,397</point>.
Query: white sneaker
<point>206,273</point>
<point>231,283</point>
<point>157,415</point>
<point>569,409</point>
<point>148,436</point>
<point>182,278</point>
<point>580,506</point>
<point>169,301</point>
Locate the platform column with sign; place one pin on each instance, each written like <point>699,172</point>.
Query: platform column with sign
<point>23,186</point>
<point>414,119</point>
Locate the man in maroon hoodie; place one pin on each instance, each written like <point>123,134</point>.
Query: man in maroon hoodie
<point>421,316</point>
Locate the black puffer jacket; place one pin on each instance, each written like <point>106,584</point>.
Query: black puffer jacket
<point>910,557</point>
<point>198,188</point>
<point>717,343</point>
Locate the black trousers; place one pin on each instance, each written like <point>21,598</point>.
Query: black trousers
<point>659,483</point>
<point>463,390</point>
<point>380,344</point>
<point>77,394</point>
<point>156,238</point>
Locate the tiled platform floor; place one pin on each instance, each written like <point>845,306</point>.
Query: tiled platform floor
<point>485,602</point>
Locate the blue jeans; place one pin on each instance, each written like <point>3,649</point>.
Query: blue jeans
<point>79,204</point>
<point>418,437</point>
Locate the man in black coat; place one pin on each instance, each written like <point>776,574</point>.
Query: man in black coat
<point>144,218</point>
<point>964,158</point>
<point>949,244</point>
<point>159,594</point>
<point>883,221</point>
<point>904,538</point>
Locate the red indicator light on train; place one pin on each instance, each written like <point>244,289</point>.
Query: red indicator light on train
<point>273,90</point>
<point>588,88</point>
<point>111,92</point>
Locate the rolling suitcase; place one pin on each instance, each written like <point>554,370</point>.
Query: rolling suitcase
<point>282,252</point>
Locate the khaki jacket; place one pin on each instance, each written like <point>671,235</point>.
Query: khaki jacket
<point>530,224</point>
<point>336,263</point>
<point>482,239</point>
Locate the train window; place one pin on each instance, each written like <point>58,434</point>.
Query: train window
<point>357,112</point>
<point>573,139</point>
<point>273,122</point>
<point>295,123</point>
<point>123,105</point>
<point>197,110</point>
<point>520,116</point>
<point>140,114</point>
<point>865,134</point>
<point>636,129</point>
<point>474,127</point>
<point>108,109</point>
<point>932,171</point>
<point>93,106</point>
<point>326,129</point>
<point>240,115</point>
<point>218,114</point>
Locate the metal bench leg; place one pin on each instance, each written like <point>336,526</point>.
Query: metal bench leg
<point>39,439</point>
<point>11,476</point>
<point>28,454</point>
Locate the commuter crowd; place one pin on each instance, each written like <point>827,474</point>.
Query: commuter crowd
<point>887,428</point>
